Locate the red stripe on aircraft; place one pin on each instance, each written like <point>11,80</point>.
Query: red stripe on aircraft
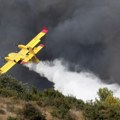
<point>45,30</point>
<point>23,62</point>
<point>42,45</point>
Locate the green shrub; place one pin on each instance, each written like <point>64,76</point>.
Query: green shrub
<point>61,112</point>
<point>11,87</point>
<point>107,107</point>
<point>30,112</point>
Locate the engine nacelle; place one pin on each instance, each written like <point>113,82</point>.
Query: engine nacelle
<point>22,47</point>
<point>8,59</point>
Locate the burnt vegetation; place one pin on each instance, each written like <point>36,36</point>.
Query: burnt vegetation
<point>33,104</point>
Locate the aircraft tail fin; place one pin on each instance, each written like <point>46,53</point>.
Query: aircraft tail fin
<point>35,59</point>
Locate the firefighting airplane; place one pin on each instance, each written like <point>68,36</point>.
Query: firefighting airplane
<point>27,53</point>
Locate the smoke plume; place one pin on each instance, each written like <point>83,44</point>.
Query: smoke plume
<point>82,85</point>
<point>83,32</point>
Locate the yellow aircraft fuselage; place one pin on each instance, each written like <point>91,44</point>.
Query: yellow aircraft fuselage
<point>27,53</point>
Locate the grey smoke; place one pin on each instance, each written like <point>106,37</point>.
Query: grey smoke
<point>82,32</point>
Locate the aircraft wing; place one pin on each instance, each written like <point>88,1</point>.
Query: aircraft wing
<point>34,41</point>
<point>12,59</point>
<point>7,66</point>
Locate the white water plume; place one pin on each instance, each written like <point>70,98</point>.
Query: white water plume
<point>82,85</point>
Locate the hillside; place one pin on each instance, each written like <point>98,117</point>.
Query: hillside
<point>20,102</point>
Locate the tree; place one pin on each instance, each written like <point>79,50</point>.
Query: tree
<point>103,93</point>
